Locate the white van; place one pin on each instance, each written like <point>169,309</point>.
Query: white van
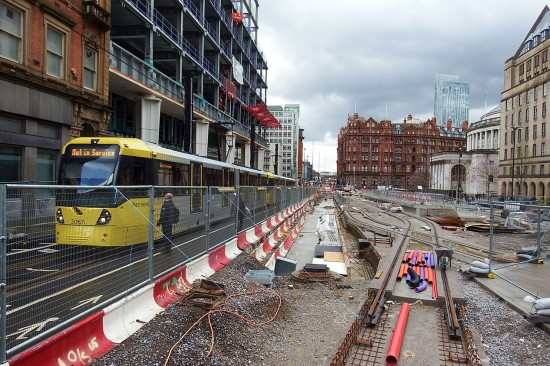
<point>392,207</point>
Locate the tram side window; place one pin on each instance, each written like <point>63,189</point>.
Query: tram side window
<point>243,179</point>
<point>181,175</point>
<point>165,175</point>
<point>213,177</point>
<point>253,180</point>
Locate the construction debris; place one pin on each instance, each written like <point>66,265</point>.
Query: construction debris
<point>206,295</point>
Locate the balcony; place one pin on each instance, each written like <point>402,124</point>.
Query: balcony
<point>95,13</point>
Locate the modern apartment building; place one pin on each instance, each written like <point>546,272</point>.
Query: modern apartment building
<point>183,74</point>
<point>54,78</point>
<point>524,162</point>
<point>372,153</point>
<point>452,100</point>
<point>283,141</point>
<point>186,75</point>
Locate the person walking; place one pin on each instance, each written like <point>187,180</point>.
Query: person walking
<point>243,211</point>
<point>169,215</point>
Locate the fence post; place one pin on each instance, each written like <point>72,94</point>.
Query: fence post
<point>152,228</point>
<point>3,273</point>
<point>207,219</point>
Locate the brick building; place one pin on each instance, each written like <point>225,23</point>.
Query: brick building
<point>372,153</point>
<point>54,77</point>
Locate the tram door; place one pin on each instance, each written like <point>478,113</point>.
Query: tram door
<point>196,191</point>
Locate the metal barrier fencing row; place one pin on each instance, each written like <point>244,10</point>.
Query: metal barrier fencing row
<point>68,251</point>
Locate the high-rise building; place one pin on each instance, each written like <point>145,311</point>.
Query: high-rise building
<point>452,100</point>
<point>179,74</point>
<point>524,163</point>
<point>283,141</point>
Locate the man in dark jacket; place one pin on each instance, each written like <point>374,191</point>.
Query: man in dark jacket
<point>242,212</point>
<point>169,215</point>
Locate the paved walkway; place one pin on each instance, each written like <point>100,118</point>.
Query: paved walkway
<point>513,282</point>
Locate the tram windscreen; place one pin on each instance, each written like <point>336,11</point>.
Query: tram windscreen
<point>87,165</point>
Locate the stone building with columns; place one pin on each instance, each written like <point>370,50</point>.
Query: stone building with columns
<point>473,171</point>
<point>524,160</point>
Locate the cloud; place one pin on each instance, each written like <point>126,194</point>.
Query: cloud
<point>335,58</point>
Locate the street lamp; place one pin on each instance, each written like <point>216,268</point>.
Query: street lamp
<point>514,128</point>
<point>459,188</point>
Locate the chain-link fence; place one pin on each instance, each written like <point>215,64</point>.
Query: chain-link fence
<point>68,251</point>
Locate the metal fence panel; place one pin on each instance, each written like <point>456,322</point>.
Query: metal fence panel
<point>71,250</point>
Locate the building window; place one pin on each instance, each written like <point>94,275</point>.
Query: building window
<point>541,169</point>
<point>542,149</point>
<point>535,131</point>
<point>543,130</point>
<point>519,117</point>
<point>11,125</point>
<point>536,93</point>
<point>55,53</point>
<point>544,109</point>
<point>520,98</point>
<point>527,115</point>
<point>534,150</point>
<point>535,112</point>
<point>11,32</point>
<point>527,96</point>
<point>10,164</point>
<point>544,89</point>
<point>46,165</point>
<point>526,133</point>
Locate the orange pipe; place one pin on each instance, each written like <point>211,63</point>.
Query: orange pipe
<point>397,338</point>
<point>435,293</point>
<point>428,272</point>
<point>401,271</point>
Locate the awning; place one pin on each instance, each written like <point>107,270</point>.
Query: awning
<point>263,115</point>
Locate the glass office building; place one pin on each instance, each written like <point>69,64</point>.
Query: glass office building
<point>452,100</point>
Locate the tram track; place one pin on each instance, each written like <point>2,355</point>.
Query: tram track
<point>366,343</point>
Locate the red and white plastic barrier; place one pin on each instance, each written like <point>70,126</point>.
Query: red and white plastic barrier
<point>96,335</point>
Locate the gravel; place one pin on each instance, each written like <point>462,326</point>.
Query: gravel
<point>311,323</point>
<point>506,338</point>
<point>313,319</point>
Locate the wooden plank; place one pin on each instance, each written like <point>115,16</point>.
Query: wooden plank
<point>378,274</point>
<point>334,257</point>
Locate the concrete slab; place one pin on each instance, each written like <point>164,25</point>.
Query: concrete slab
<point>513,282</point>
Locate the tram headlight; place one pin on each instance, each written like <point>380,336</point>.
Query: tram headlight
<point>59,216</point>
<point>104,218</point>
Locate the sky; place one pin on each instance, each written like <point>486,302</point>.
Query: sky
<point>378,58</point>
